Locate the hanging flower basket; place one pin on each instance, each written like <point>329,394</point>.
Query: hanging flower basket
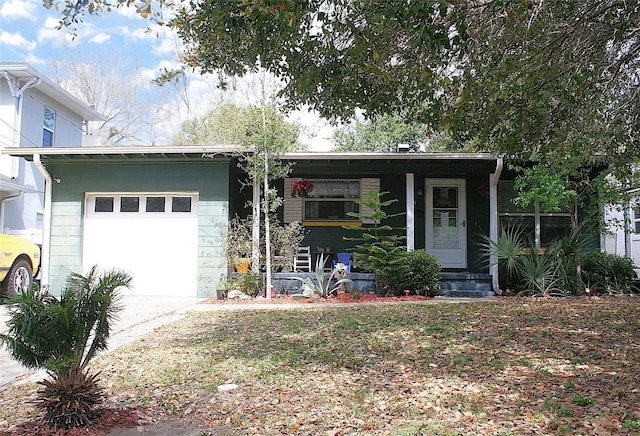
<point>301,188</point>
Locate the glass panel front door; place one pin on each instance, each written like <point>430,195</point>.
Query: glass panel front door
<point>446,221</point>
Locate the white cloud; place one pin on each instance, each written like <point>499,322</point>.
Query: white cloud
<point>18,9</point>
<point>128,12</point>
<point>100,38</point>
<point>17,40</point>
<point>57,38</point>
<point>315,132</point>
<point>34,60</point>
<point>167,43</point>
<point>136,34</point>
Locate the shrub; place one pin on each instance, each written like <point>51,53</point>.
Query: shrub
<point>379,244</point>
<point>604,272</point>
<point>250,283</point>
<point>418,271</point>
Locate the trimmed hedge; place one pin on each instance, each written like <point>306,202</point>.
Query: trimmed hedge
<point>418,272</point>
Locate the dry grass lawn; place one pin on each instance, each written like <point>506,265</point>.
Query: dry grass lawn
<point>512,367</point>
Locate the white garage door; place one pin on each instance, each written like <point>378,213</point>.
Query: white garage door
<point>154,237</point>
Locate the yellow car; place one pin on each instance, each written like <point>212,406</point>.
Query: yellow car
<point>19,264</point>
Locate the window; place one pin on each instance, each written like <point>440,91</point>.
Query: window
<point>129,204</point>
<point>332,200</point>
<point>104,204</point>
<point>139,204</point>
<point>181,204</point>
<point>636,220</point>
<point>155,204</point>
<point>49,121</point>
<point>544,228</point>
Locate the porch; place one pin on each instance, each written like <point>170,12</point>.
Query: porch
<point>452,284</point>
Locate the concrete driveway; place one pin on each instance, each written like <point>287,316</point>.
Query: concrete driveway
<point>141,315</point>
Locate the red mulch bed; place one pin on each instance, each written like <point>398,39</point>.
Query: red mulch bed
<point>109,418</point>
<point>340,298</point>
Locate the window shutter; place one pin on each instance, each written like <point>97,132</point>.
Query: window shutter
<point>368,185</point>
<point>292,206</point>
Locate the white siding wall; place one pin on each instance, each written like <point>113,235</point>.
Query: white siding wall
<point>8,164</point>
<point>23,215</point>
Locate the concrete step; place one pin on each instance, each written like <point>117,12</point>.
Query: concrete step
<point>463,284</point>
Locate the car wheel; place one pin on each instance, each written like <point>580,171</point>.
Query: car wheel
<point>19,277</point>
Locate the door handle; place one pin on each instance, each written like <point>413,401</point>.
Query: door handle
<point>464,223</point>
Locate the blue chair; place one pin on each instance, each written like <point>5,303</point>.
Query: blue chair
<point>344,258</point>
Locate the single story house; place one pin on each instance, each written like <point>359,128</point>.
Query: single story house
<point>160,212</point>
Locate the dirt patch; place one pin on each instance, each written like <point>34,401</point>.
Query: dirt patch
<point>108,418</point>
<point>114,421</point>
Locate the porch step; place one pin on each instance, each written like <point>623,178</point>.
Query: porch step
<point>452,284</point>
<point>462,284</point>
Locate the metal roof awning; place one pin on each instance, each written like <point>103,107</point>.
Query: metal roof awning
<point>119,153</point>
<point>209,152</point>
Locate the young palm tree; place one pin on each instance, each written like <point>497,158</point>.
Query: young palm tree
<point>62,336</point>
<point>506,252</point>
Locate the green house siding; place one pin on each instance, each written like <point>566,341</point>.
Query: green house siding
<point>66,242</point>
<point>209,179</point>
<point>212,262</point>
<point>393,180</point>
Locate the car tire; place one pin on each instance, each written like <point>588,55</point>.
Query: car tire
<point>20,277</point>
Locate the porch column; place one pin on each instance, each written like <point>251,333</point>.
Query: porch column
<point>411,206</point>
<point>493,223</point>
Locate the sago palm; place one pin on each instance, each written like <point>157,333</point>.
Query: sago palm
<point>62,336</point>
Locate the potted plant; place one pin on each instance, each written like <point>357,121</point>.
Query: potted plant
<point>301,188</point>
<point>241,264</point>
<point>238,243</point>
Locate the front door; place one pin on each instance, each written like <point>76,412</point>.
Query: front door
<point>447,221</point>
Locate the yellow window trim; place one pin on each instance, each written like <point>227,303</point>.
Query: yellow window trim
<point>330,223</point>
<point>539,251</point>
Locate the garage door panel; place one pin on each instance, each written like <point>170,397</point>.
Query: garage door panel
<point>158,249</point>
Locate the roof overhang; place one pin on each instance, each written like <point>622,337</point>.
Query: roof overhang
<point>209,152</point>
<point>24,72</point>
<point>9,187</point>
<point>112,153</point>
<point>386,157</point>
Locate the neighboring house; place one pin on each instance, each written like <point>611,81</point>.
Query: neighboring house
<point>623,237</point>
<point>160,212</point>
<point>34,113</point>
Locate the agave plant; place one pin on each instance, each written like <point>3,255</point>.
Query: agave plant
<point>322,284</point>
<point>62,336</point>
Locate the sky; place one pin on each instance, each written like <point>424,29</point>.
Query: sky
<point>28,34</point>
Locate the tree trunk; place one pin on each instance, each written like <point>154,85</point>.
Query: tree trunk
<point>267,230</point>
<point>574,224</point>
<point>255,230</point>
